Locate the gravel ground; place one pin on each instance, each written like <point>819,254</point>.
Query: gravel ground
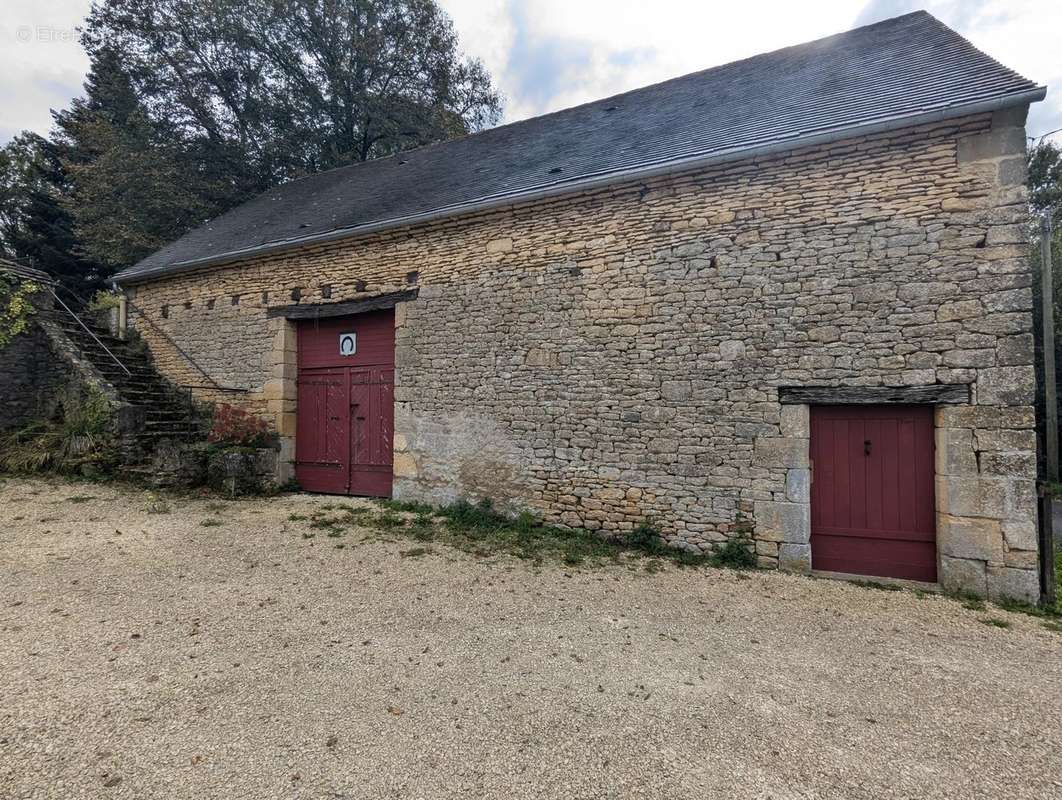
<point>146,655</point>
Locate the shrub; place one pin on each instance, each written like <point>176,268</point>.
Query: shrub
<point>77,437</point>
<point>233,426</point>
<point>646,538</point>
<point>735,553</point>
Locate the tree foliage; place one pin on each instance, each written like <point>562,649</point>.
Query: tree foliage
<point>193,106</point>
<point>133,188</point>
<point>36,227</point>
<point>1044,179</point>
<point>274,89</point>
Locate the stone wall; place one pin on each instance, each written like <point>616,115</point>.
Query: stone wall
<point>31,371</point>
<point>30,375</point>
<point>614,356</point>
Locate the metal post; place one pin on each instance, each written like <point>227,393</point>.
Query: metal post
<point>123,316</point>
<point>1047,538</point>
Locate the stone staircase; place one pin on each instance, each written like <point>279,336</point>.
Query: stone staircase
<point>159,411</point>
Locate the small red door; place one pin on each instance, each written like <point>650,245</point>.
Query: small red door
<point>872,497</point>
<point>345,426</point>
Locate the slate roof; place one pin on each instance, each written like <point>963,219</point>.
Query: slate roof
<point>900,71</point>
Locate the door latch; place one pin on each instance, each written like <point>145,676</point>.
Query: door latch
<point>866,447</point>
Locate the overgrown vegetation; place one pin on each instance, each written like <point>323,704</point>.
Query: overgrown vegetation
<point>478,528</point>
<point>75,438</point>
<point>16,306</point>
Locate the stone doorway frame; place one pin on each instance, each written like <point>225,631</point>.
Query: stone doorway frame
<point>281,390</point>
<point>787,522</point>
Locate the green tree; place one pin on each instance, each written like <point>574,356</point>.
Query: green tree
<point>193,106</point>
<point>274,89</point>
<point>133,187</point>
<point>35,226</point>
<point>1044,181</point>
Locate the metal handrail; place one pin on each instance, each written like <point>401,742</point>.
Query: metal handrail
<point>90,332</point>
<point>214,384</point>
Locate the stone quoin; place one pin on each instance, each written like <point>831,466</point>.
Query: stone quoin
<point>620,351</point>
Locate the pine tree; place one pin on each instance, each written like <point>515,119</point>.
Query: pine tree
<point>132,189</point>
<point>35,227</point>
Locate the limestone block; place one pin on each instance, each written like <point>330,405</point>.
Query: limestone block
<point>405,465</point>
<point>1021,499</point>
<point>540,357</point>
<point>1015,464</point>
<point>1012,171</point>
<point>502,245</point>
<point>1011,299</point>
<point>676,390</point>
<point>1015,350</point>
<point>276,389</point>
<point>955,452</point>
<point>970,537</point>
<point>798,485</point>
<point>991,144</point>
<point>796,421</point>
<point>732,350</point>
<point>767,548</point>
<point>285,371</point>
<point>785,522</point>
<point>781,451</point>
<point>1009,583</point>
<point>1005,439</point>
<point>1021,534</point>
<point>962,575</point>
<point>286,424</point>
<point>794,557</point>
<point>280,405</point>
<point>1022,559</point>
<point>971,496</point>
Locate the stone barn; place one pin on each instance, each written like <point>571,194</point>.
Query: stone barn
<point>787,298</point>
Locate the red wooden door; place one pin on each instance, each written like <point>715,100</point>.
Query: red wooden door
<point>872,497</point>
<point>345,427</point>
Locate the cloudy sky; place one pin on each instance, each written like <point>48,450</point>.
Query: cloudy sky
<point>550,54</point>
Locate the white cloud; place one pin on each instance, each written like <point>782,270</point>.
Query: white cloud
<point>41,61</point>
<point>585,50</point>
<point>550,54</point>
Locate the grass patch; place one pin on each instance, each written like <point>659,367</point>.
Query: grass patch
<point>211,523</point>
<point>1053,625</point>
<point>81,498</point>
<point>404,506</point>
<point>387,521</point>
<point>479,529</point>
<point>995,622</point>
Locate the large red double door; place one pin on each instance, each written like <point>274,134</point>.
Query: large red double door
<point>872,493</point>
<point>345,427</point>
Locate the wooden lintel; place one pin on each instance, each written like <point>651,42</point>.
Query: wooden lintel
<point>951,394</point>
<point>343,308</point>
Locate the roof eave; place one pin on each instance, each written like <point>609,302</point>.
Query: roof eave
<point>586,183</point>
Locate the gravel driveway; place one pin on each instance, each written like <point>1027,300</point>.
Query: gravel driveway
<point>147,655</point>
